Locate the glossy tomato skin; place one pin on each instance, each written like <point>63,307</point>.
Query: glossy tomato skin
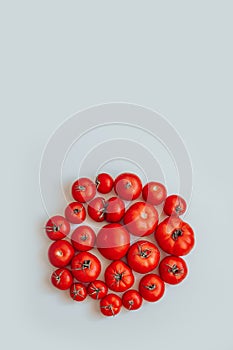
<point>110,305</point>
<point>174,205</point>
<point>143,256</point>
<point>78,292</point>
<point>60,253</point>
<point>132,299</point>
<point>83,190</point>
<point>104,183</point>
<point>96,209</point>
<point>62,279</point>
<point>57,227</point>
<point>115,209</point>
<point>83,238</point>
<point>141,219</point>
<point>119,276</point>
<point>97,290</point>
<point>128,186</point>
<point>154,193</point>
<point>151,287</point>
<point>175,236</point>
<point>113,241</point>
<point>85,267</point>
<point>173,269</point>
<point>75,213</point>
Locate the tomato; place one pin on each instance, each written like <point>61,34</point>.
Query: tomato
<point>83,190</point>
<point>83,238</point>
<point>78,292</point>
<point>113,241</point>
<point>141,219</point>
<point>173,269</point>
<point>143,256</point>
<point>114,209</point>
<point>60,253</point>
<point>75,213</point>
<point>57,227</point>
<point>175,236</point>
<point>128,186</point>
<point>85,267</point>
<point>110,305</point>
<point>154,193</point>
<point>96,209</point>
<point>104,183</point>
<point>62,279</point>
<point>131,299</point>
<point>174,205</point>
<point>119,276</point>
<point>97,289</point>
<point>151,287</point>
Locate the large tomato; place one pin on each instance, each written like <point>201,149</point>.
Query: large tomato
<point>154,193</point>
<point>60,253</point>
<point>85,267</point>
<point>119,276</point>
<point>174,205</point>
<point>83,238</point>
<point>83,190</point>
<point>128,186</point>
<point>151,287</point>
<point>57,227</point>
<point>110,305</point>
<point>173,269</point>
<point>143,256</point>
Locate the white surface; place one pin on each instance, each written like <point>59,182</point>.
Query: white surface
<point>59,57</point>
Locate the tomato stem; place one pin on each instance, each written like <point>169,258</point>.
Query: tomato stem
<point>176,234</point>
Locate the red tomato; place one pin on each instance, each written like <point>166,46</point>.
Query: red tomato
<point>104,183</point>
<point>151,287</point>
<point>83,238</point>
<point>97,289</point>
<point>175,236</point>
<point>128,186</point>
<point>85,267</point>
<point>114,209</point>
<point>113,241</point>
<point>110,305</point>
<point>96,209</point>
<point>62,279</point>
<point>174,205</point>
<point>141,219</point>
<point>60,253</point>
<point>132,300</point>
<point>57,227</point>
<point>119,276</point>
<point>143,256</point>
<point>75,213</point>
<point>83,190</point>
<point>154,193</point>
<point>78,292</point>
<point>173,269</point>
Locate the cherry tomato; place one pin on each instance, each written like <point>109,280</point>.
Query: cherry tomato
<point>173,269</point>
<point>57,227</point>
<point>154,193</point>
<point>75,213</point>
<point>143,256</point>
<point>141,219</point>
<point>83,238</point>
<point>119,276</point>
<point>62,279</point>
<point>85,267</point>
<point>175,236</point>
<point>174,205</point>
<point>132,300</point>
<point>78,292</point>
<point>97,289</point>
<point>113,241</point>
<point>83,190</point>
<point>60,253</point>
<point>104,183</point>
<point>96,209</point>
<point>110,305</point>
<point>128,186</point>
<point>151,287</point>
<point>114,209</point>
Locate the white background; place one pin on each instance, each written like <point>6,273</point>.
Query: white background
<point>59,57</point>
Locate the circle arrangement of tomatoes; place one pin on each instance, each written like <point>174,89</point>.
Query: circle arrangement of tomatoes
<point>104,183</point>
<point>119,276</point>
<point>174,205</point>
<point>128,186</point>
<point>85,267</point>
<point>57,227</point>
<point>173,269</point>
<point>83,190</point>
<point>143,256</point>
<point>83,238</point>
<point>75,213</point>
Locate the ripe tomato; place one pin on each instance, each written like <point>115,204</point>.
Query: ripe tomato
<point>83,238</point>
<point>154,193</point>
<point>114,209</point>
<point>104,183</point>
<point>143,256</point>
<point>97,289</point>
<point>128,186</point>
<point>151,287</point>
<point>110,305</point>
<point>119,276</point>
<point>96,209</point>
<point>174,205</point>
<point>141,219</point>
<point>173,269</point>
<point>60,253</point>
<point>75,213</point>
<point>57,227</point>
<point>175,236</point>
<point>83,190</point>
<point>78,292</point>
<point>85,267</point>
<point>113,241</point>
<point>62,279</point>
<point>132,300</point>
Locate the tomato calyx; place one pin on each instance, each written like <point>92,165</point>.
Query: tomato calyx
<point>174,269</point>
<point>53,228</point>
<point>144,253</point>
<point>95,290</point>
<point>128,185</point>
<point>176,234</point>
<point>86,264</point>
<point>118,276</point>
<point>178,209</point>
<point>77,292</point>
<point>80,188</point>
<point>76,211</point>
<point>58,277</point>
<point>151,286</point>
<point>108,307</point>
<point>97,182</point>
<point>131,304</point>
<point>84,237</point>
